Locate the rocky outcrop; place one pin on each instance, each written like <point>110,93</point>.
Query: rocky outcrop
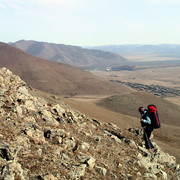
<point>44,140</point>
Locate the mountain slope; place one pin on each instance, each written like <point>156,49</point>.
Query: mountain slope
<point>73,55</point>
<point>159,50</point>
<point>51,141</point>
<point>54,77</point>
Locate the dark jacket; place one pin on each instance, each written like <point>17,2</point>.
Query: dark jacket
<point>146,121</point>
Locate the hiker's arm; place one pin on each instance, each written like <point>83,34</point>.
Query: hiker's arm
<point>147,120</point>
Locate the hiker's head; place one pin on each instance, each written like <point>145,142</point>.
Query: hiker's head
<point>141,110</point>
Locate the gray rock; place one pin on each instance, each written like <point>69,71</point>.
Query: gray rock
<point>101,170</point>
<point>132,144</point>
<point>77,171</point>
<point>145,152</point>
<point>19,111</point>
<point>12,171</point>
<point>1,79</point>
<point>113,176</point>
<point>58,110</point>
<point>97,138</point>
<point>23,90</point>
<point>163,175</point>
<point>49,177</point>
<point>46,115</point>
<point>85,146</point>
<point>149,176</point>
<point>29,104</point>
<point>116,138</point>
<point>138,174</point>
<point>91,162</point>
<point>69,143</point>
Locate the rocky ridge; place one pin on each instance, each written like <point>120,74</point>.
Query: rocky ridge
<point>48,141</point>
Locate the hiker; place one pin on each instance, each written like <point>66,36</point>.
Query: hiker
<point>146,124</point>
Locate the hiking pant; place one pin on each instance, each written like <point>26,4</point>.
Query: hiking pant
<point>147,134</point>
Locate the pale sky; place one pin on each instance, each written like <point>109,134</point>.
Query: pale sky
<point>91,22</point>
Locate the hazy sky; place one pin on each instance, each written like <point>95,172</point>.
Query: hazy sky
<point>91,22</point>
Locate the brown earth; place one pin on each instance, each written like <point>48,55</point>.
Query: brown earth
<point>53,77</point>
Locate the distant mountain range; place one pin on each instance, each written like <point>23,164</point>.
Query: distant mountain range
<point>53,77</point>
<point>159,50</point>
<point>72,55</point>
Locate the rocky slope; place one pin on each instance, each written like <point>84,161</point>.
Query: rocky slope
<point>49,141</point>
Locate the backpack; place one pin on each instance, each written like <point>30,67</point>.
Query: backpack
<point>153,115</point>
